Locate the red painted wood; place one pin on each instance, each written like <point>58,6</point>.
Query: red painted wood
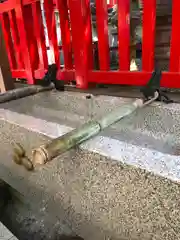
<point>19,73</point>
<point>65,33</point>
<point>39,36</point>
<point>24,44</point>
<point>51,26</point>
<point>148,40</point>
<point>88,33</point>
<point>29,2</point>
<point>4,20</point>
<point>6,80</point>
<point>102,30</point>
<point>16,39</point>
<point>169,80</point>
<point>9,5</point>
<point>175,38</point>
<point>31,38</point>
<point>39,73</point>
<point>80,41</point>
<point>66,75</point>
<point>112,2</point>
<point>124,34</point>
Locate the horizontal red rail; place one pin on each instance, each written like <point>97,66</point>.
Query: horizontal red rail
<point>66,75</point>
<point>169,80</point>
<point>19,74</point>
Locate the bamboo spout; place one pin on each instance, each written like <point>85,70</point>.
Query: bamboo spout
<point>61,144</point>
<point>52,149</point>
<point>23,92</point>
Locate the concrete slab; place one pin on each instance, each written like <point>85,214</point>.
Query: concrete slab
<point>27,221</point>
<point>151,128</point>
<point>123,184</point>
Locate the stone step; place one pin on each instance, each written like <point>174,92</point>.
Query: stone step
<point>98,196</point>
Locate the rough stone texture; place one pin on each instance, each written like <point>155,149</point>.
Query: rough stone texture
<point>97,197</point>
<point>27,221</point>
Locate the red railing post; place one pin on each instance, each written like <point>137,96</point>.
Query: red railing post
<point>81,40</point>
<point>6,81</point>
<point>102,30</point>
<point>16,38</point>
<point>65,33</point>
<point>148,40</point>
<point>124,34</point>
<point>5,23</point>
<point>24,44</point>
<point>40,40</point>
<point>12,19</point>
<point>175,38</point>
<point>51,27</point>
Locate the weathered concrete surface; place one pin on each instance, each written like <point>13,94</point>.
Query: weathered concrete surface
<point>5,234</point>
<point>27,221</point>
<point>122,197</point>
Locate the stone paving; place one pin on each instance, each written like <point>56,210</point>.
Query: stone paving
<point>123,187</point>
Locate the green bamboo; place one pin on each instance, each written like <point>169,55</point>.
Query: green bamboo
<point>61,144</point>
<point>119,114</point>
<point>22,92</point>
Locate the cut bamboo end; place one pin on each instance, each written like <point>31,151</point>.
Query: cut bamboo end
<point>39,156</point>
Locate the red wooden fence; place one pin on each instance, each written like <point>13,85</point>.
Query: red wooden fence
<point>25,41</point>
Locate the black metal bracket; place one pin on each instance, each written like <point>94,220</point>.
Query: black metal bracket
<point>154,86</point>
<point>50,77</point>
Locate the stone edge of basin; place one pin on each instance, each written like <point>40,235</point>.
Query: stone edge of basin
<point>148,159</point>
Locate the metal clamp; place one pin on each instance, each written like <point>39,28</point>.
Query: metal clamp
<point>50,77</point>
<point>152,88</point>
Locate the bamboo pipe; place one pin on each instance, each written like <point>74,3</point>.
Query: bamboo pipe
<point>57,146</point>
<point>22,92</point>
